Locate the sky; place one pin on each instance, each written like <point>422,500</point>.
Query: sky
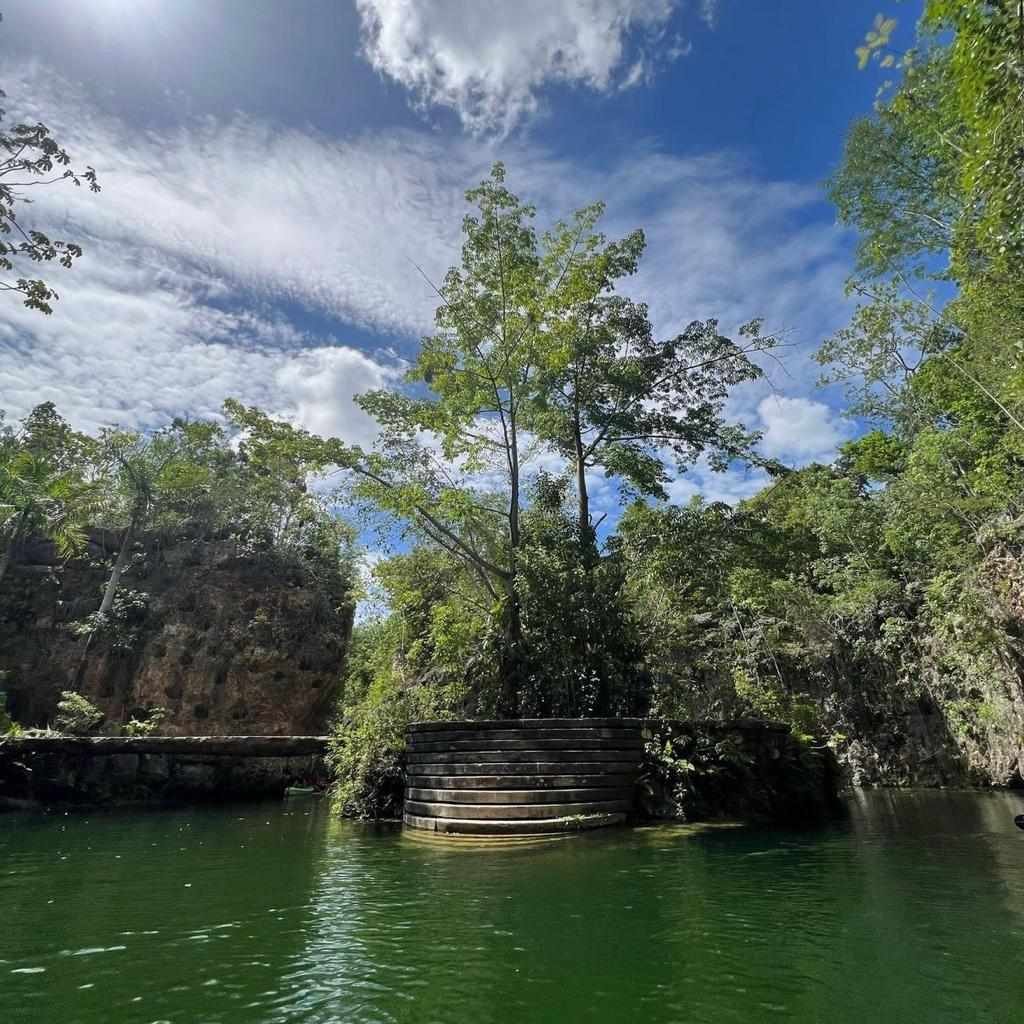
<point>273,173</point>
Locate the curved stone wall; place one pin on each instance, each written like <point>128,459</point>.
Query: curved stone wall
<point>524,777</point>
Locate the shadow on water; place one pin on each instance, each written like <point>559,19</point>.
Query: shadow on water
<point>910,910</point>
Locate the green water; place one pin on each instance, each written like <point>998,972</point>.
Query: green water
<point>912,910</point>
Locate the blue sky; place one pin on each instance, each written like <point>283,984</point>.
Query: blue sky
<point>272,171</point>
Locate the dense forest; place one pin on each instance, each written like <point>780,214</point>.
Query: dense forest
<point>876,603</point>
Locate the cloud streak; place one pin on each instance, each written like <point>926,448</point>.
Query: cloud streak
<point>239,258</point>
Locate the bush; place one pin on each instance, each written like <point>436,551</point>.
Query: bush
<point>8,727</point>
<point>367,750</point>
<point>147,725</point>
<point>366,757</point>
<point>76,715</point>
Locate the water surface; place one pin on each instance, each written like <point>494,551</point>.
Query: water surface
<point>912,910</point>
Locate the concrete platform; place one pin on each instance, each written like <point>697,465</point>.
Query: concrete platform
<point>524,777</point>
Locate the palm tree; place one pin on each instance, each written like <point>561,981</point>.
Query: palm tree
<point>138,464</point>
<point>37,497</point>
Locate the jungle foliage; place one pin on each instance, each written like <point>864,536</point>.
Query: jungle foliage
<point>877,602</point>
<point>106,496</point>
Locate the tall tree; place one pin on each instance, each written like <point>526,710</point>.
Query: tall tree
<point>535,350</point>
<point>933,182</point>
<point>481,367</point>
<point>609,395</point>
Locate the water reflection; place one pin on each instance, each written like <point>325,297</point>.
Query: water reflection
<point>911,910</point>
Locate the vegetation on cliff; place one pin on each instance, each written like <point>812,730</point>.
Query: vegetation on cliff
<point>190,570</point>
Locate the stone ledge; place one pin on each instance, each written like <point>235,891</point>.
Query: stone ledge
<point>587,780</point>
<point>539,767</point>
<point>528,723</point>
<point>516,812</point>
<point>518,796</point>
<point>553,755</point>
<point>546,826</point>
<point>41,771</point>
<point>227,746</point>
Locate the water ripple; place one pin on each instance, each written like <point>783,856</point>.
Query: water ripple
<point>276,916</point>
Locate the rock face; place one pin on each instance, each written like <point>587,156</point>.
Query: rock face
<point>747,770</point>
<point>227,642</point>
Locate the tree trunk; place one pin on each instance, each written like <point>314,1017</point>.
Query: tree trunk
<point>515,653</point>
<point>583,497</point>
<point>115,573</point>
<point>589,559</point>
<point>514,662</point>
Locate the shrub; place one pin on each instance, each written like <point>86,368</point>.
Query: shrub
<point>367,750</point>
<point>76,714</point>
<point>147,725</point>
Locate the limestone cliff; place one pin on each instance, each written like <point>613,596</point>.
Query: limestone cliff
<point>227,641</point>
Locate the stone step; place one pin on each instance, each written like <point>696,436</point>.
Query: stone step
<point>518,756</point>
<point>517,796</point>
<point>533,782</point>
<point>417,739</point>
<point>541,767</point>
<point>543,826</point>
<point>485,743</point>
<point>529,723</point>
<point>514,812</point>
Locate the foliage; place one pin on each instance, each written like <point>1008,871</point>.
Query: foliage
<point>30,156</point>
<point>44,484</point>
<point>854,599</point>
<point>76,714</point>
<point>8,727</point>
<point>582,655</point>
<point>147,725</point>
<point>537,352</point>
<point>122,626</point>
<point>379,701</point>
<point>696,771</point>
<point>244,481</point>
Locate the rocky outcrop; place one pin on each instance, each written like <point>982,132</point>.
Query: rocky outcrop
<point>746,770</point>
<point>227,641</point>
<point>116,770</point>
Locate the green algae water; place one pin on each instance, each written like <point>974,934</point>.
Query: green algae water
<point>910,910</point>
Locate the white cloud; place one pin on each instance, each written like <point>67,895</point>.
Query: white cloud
<point>289,215</point>
<point>137,347</point>
<point>732,486</point>
<point>206,237</point>
<point>322,384</point>
<point>488,59</point>
<point>801,430</point>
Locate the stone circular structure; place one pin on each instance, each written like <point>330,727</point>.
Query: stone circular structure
<point>521,777</point>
